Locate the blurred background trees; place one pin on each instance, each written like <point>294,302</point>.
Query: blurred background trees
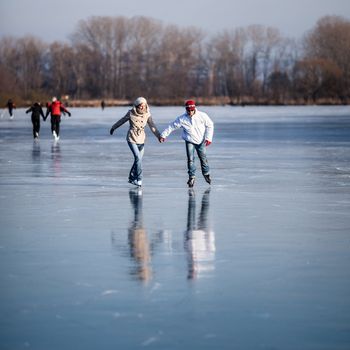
<point>120,58</point>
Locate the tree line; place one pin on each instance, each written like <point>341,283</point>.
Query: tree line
<point>118,58</point>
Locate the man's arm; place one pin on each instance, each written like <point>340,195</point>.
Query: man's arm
<point>209,130</point>
<point>176,124</point>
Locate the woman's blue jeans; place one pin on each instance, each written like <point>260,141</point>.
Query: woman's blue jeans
<point>202,155</point>
<point>136,169</point>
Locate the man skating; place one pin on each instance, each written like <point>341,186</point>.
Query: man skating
<point>197,132</point>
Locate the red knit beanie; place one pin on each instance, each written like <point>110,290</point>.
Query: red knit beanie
<point>190,105</point>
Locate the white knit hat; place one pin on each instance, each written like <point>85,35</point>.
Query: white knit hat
<point>140,100</point>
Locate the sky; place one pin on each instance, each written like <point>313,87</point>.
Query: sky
<point>52,20</point>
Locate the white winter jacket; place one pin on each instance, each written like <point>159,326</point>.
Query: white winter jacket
<point>195,129</point>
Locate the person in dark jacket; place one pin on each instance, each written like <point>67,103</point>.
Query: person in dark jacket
<point>10,106</point>
<point>36,111</point>
<point>56,108</point>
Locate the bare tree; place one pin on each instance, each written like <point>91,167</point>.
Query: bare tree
<point>61,78</point>
<point>315,79</point>
<point>119,57</point>
<point>330,41</point>
<point>227,55</point>
<point>8,71</point>
<point>178,57</point>
<point>243,60</point>
<point>142,48</point>
<point>22,62</point>
<point>279,86</point>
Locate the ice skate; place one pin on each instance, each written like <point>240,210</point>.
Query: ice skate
<point>190,182</point>
<point>55,135</point>
<point>207,178</point>
<point>135,182</point>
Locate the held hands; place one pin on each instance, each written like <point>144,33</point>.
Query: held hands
<point>206,142</point>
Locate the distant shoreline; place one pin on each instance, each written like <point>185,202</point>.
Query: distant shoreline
<point>223,101</point>
<point>206,102</point>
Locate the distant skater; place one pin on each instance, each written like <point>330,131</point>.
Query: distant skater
<point>36,111</point>
<point>103,104</point>
<point>137,117</point>
<point>10,105</point>
<point>197,132</point>
<point>55,109</point>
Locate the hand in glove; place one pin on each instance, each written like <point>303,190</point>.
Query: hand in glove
<point>111,131</point>
<point>69,113</point>
<point>207,143</point>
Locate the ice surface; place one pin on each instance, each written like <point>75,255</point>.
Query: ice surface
<point>258,261</point>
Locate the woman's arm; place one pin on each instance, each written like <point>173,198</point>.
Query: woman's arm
<point>120,122</point>
<point>153,127</point>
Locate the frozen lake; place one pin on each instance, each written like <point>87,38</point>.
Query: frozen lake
<point>259,260</point>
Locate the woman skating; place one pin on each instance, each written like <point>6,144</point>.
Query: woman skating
<point>138,117</point>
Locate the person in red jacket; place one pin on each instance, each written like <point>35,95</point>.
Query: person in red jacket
<point>56,108</point>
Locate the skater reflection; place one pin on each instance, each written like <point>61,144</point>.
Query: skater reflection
<point>139,244</point>
<point>36,151</point>
<point>36,161</point>
<point>56,158</point>
<point>199,239</point>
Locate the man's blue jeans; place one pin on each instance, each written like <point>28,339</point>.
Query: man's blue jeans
<point>202,155</point>
<point>136,169</point>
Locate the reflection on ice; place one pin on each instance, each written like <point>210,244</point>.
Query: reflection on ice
<point>56,158</point>
<point>197,247</point>
<point>277,264</point>
<point>36,150</point>
<point>199,238</point>
<point>138,240</point>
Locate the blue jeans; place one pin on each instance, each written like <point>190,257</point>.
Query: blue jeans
<point>202,155</point>
<point>136,169</point>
